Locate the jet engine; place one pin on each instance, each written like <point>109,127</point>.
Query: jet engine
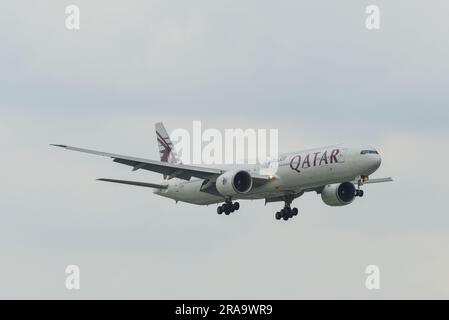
<point>336,195</point>
<point>232,183</point>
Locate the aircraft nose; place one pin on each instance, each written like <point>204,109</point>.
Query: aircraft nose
<point>376,162</point>
<point>371,161</point>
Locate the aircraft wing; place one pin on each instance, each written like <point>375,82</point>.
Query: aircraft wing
<point>169,169</point>
<point>378,180</point>
<point>136,183</point>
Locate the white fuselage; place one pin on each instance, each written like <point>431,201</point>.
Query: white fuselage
<point>296,172</point>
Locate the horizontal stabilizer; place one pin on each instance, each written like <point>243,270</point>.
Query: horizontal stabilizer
<point>136,183</point>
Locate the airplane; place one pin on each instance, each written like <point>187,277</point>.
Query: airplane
<point>337,173</point>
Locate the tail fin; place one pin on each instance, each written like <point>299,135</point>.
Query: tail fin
<point>166,149</point>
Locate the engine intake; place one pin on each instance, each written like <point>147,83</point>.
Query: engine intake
<point>336,195</point>
<point>234,182</point>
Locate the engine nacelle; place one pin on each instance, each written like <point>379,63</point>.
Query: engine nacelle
<point>232,183</point>
<point>336,195</point>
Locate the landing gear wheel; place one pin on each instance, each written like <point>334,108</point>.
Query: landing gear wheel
<point>287,212</point>
<point>228,207</point>
<point>361,193</point>
<point>294,212</point>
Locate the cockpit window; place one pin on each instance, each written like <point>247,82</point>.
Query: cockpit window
<point>369,152</point>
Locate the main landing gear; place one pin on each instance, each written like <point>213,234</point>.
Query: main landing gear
<point>228,207</point>
<point>287,212</point>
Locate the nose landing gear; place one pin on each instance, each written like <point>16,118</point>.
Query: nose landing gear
<point>228,207</point>
<point>358,191</point>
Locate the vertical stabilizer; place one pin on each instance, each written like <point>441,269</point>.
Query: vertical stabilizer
<point>166,150</point>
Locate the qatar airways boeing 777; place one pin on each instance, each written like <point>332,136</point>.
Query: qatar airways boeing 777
<point>337,173</point>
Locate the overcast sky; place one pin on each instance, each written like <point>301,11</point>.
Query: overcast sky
<point>308,68</point>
